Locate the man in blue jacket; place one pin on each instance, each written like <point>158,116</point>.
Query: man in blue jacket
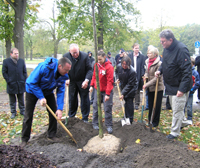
<point>47,76</point>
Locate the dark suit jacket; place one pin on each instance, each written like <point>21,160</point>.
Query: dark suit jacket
<point>15,75</point>
<point>140,68</point>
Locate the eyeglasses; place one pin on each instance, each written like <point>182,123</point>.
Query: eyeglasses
<point>164,41</point>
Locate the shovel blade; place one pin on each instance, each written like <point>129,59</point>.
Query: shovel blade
<point>125,121</point>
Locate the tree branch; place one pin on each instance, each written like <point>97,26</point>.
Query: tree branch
<point>11,4</point>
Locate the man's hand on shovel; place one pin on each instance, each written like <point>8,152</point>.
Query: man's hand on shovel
<point>43,102</point>
<point>59,114</point>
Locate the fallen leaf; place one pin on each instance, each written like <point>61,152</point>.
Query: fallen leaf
<point>6,140</point>
<point>137,141</point>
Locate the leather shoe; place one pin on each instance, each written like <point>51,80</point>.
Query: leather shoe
<point>13,115</point>
<point>170,136</point>
<point>136,108</point>
<point>23,144</point>
<point>53,139</point>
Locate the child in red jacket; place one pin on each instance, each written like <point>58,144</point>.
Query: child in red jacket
<point>106,72</point>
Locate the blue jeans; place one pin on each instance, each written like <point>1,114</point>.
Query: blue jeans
<point>189,107</point>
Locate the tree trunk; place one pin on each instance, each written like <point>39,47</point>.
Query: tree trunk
<point>8,47</point>
<point>56,42</point>
<point>26,53</point>
<point>19,7</point>
<point>100,26</point>
<point>97,76</point>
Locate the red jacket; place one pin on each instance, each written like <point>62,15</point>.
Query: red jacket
<point>106,72</point>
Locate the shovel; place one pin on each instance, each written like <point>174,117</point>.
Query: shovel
<point>125,121</point>
<point>67,104</point>
<point>68,132</point>
<point>154,105</point>
<point>143,99</point>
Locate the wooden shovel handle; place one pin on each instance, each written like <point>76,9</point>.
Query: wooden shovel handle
<point>68,132</point>
<point>143,96</point>
<point>155,100</point>
<point>67,100</point>
<point>120,99</point>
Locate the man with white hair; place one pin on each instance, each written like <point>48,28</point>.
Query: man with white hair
<point>80,76</point>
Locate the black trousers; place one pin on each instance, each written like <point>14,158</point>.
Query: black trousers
<point>12,98</point>
<point>31,101</point>
<point>198,94</point>
<point>157,109</point>
<point>74,90</point>
<point>129,108</point>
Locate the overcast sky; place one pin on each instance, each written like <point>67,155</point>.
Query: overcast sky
<point>173,12</point>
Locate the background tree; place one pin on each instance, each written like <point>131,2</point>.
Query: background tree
<point>112,21</point>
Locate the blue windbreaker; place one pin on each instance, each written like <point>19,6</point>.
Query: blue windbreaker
<point>42,82</point>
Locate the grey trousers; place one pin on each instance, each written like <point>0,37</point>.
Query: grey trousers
<point>178,105</point>
<point>13,101</point>
<point>107,109</point>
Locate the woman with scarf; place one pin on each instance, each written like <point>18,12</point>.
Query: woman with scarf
<point>153,63</point>
<point>106,72</point>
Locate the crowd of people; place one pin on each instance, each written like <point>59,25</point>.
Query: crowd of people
<point>174,71</point>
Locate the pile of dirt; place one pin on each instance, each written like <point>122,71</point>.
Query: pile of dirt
<point>15,156</point>
<point>154,149</point>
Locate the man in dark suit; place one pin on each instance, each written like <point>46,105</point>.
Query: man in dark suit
<point>80,76</point>
<point>14,72</point>
<point>138,61</point>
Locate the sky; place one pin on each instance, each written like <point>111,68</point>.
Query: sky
<point>173,12</point>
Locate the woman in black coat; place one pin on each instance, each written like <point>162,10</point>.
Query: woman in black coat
<point>127,78</point>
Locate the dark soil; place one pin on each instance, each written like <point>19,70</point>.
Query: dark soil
<point>154,149</point>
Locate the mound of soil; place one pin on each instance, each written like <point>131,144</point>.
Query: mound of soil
<point>154,149</point>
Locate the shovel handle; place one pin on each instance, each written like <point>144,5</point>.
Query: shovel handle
<point>68,132</point>
<point>67,100</point>
<point>143,96</point>
<point>155,100</point>
<point>120,99</point>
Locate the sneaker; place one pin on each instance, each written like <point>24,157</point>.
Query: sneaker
<point>13,115</point>
<point>53,139</point>
<point>110,130</point>
<point>198,101</point>
<point>85,121</point>
<point>170,136</point>
<point>190,122</point>
<point>23,144</point>
<point>96,127</point>
<point>136,108</point>
<point>185,123</point>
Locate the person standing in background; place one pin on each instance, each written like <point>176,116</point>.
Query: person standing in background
<point>197,63</point>
<point>14,72</point>
<point>80,76</point>
<point>138,62</point>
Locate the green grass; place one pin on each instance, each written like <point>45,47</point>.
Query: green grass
<point>34,61</point>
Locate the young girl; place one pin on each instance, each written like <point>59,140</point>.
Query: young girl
<point>106,72</point>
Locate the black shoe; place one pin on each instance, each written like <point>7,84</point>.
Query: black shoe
<point>136,108</point>
<point>23,144</point>
<point>170,136</point>
<point>53,139</point>
<point>22,113</point>
<point>13,115</point>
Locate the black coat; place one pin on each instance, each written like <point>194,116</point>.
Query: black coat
<point>81,68</point>
<point>15,75</point>
<point>197,63</point>
<point>176,68</point>
<point>128,81</point>
<point>140,68</point>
